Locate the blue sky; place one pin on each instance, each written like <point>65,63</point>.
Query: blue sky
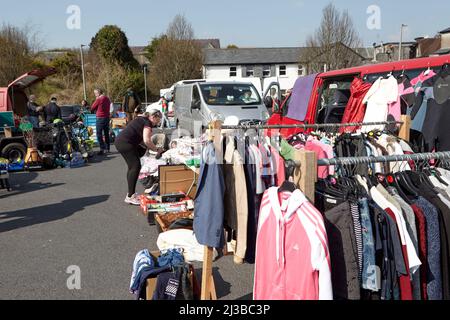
<point>246,23</point>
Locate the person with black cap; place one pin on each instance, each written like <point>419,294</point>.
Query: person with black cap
<point>52,111</point>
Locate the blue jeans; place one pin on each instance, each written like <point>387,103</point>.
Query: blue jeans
<point>34,121</point>
<point>102,127</point>
<point>369,268</point>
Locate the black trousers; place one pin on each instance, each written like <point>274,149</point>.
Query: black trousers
<point>132,155</point>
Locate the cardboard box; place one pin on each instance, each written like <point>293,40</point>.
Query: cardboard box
<point>177,178</point>
<point>151,282</point>
<point>8,132</point>
<point>118,123</point>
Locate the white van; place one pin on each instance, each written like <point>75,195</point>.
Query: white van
<point>197,104</point>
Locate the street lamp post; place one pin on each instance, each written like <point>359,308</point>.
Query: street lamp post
<point>145,82</point>
<point>400,55</point>
<point>82,71</point>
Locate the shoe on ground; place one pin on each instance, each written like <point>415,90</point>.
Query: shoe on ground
<point>101,153</point>
<point>133,200</point>
<point>238,260</point>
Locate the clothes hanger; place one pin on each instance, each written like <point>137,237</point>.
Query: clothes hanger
<point>288,185</point>
<point>360,191</point>
<point>426,72</point>
<point>402,76</point>
<point>423,177</point>
<point>389,74</point>
<point>437,174</point>
<point>393,180</point>
<point>445,70</point>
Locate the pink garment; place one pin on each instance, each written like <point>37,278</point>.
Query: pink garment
<point>316,146</point>
<point>394,109</point>
<point>422,77</point>
<point>279,167</point>
<point>328,148</point>
<point>292,256</point>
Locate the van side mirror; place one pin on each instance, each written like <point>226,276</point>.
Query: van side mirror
<point>195,104</point>
<point>268,101</point>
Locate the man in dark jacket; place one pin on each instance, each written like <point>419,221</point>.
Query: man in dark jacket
<point>52,111</point>
<point>34,111</point>
<point>131,102</point>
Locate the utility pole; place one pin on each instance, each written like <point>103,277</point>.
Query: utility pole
<point>82,71</point>
<point>400,55</point>
<point>145,82</point>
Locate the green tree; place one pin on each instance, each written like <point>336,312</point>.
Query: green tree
<point>68,65</point>
<point>150,50</point>
<point>15,53</point>
<point>111,44</point>
<point>232,46</point>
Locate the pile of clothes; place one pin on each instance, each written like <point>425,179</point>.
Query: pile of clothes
<point>173,276</point>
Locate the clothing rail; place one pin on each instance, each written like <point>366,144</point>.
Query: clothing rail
<point>305,176</point>
<point>309,126</point>
<point>404,157</point>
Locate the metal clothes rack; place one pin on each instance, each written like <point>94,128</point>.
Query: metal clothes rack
<point>393,158</point>
<point>310,126</point>
<point>305,174</point>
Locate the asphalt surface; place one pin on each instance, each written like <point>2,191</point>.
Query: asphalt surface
<point>76,217</point>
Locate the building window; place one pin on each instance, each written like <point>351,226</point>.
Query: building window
<point>301,70</point>
<point>250,71</point>
<point>266,71</point>
<point>233,71</point>
<point>282,70</point>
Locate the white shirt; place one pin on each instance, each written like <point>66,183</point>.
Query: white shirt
<point>382,93</point>
<point>380,199</point>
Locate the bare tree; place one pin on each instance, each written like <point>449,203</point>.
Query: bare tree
<point>177,57</point>
<point>332,43</point>
<point>15,53</point>
<point>180,29</point>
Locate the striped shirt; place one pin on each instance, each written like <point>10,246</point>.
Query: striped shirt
<point>358,234</point>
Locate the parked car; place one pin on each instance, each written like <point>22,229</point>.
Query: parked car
<point>330,91</point>
<point>13,99</point>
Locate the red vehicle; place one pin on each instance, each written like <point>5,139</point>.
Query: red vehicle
<point>319,110</point>
<point>14,99</point>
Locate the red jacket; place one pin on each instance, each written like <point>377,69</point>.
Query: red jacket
<point>101,106</point>
<point>355,110</point>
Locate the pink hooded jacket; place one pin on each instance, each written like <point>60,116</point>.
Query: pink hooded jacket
<point>292,257</point>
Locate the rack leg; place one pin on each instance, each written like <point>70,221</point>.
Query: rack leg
<point>306,174</point>
<point>208,287</point>
<point>405,127</point>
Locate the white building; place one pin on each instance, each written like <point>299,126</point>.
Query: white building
<point>279,63</point>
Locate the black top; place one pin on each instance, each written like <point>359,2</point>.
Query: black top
<point>437,117</point>
<point>52,111</point>
<point>134,131</point>
<point>31,106</point>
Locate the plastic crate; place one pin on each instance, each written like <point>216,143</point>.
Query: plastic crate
<point>19,166</point>
<point>117,131</point>
<point>90,120</point>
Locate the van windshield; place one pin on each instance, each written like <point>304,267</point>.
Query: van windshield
<point>230,94</point>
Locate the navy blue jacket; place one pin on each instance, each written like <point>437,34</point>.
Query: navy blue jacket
<point>209,208</point>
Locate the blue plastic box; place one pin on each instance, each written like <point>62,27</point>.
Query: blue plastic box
<point>18,166</point>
